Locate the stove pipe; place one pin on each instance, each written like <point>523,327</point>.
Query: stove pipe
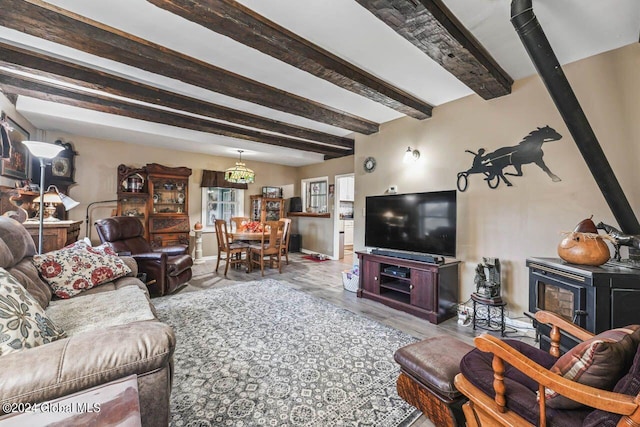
<point>545,61</point>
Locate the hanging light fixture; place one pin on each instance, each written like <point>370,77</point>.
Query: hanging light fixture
<point>240,174</point>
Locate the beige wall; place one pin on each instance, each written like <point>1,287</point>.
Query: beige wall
<point>96,176</point>
<point>318,234</point>
<point>513,223</point>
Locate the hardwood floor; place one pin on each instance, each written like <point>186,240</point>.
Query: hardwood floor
<point>324,280</point>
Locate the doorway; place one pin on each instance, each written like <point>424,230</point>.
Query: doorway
<point>343,226</point>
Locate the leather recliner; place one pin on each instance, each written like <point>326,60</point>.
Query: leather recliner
<point>167,268</point>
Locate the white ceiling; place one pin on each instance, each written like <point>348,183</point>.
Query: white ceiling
<point>576,29</point>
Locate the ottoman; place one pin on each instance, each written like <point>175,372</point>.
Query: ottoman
<point>426,378</point>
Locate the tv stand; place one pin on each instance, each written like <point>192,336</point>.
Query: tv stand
<point>432,259</point>
<point>424,289</point>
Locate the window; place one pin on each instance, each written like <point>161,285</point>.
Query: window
<point>221,203</point>
<point>315,194</point>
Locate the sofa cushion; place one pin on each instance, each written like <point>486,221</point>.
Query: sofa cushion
<point>101,310</point>
<point>15,242</point>
<point>629,385</point>
<point>78,267</point>
<point>520,394</point>
<point>23,323</point>
<point>598,362</point>
<point>27,275</point>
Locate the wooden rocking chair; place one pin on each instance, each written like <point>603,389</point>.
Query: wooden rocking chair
<point>501,396</point>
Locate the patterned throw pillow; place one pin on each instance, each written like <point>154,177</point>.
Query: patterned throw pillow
<point>103,249</point>
<point>79,267</point>
<point>23,323</point>
<point>598,362</point>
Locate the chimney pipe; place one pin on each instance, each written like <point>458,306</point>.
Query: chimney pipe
<point>544,59</point>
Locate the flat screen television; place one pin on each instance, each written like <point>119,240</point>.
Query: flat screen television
<point>417,222</point>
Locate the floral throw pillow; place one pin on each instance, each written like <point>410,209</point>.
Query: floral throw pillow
<point>103,249</point>
<point>23,323</point>
<point>79,267</point>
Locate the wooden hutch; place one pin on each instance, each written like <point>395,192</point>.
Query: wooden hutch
<point>159,196</point>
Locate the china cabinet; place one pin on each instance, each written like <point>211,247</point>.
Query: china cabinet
<point>133,195</point>
<point>158,196</point>
<point>266,209</point>
<point>168,189</point>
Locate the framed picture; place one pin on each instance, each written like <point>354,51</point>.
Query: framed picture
<point>17,165</point>
<point>272,192</point>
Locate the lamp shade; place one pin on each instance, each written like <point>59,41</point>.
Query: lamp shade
<point>49,197</point>
<point>53,195</point>
<point>43,150</point>
<point>68,202</point>
<point>240,173</point>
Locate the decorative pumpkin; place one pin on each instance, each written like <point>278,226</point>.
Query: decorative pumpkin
<point>197,226</point>
<point>584,245</point>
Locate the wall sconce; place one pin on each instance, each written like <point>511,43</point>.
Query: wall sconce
<point>411,155</point>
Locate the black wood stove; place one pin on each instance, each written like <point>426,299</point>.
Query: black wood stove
<point>594,298</point>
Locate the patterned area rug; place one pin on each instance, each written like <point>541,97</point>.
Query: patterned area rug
<point>263,354</point>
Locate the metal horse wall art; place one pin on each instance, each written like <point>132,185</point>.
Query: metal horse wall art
<point>492,165</point>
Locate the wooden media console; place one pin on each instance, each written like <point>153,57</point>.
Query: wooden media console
<point>426,290</point>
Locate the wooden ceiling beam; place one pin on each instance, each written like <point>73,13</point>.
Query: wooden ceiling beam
<point>46,66</point>
<point>234,20</point>
<point>435,30</point>
<point>20,85</point>
<point>49,22</point>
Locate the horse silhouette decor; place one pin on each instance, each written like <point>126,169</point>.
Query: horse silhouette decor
<point>492,165</point>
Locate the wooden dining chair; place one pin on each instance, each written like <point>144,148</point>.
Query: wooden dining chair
<point>269,247</point>
<point>233,253</point>
<point>237,222</point>
<point>286,234</point>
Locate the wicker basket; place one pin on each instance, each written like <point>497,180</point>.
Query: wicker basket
<point>350,281</point>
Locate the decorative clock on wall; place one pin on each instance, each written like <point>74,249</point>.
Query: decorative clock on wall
<point>369,164</point>
<point>61,169</point>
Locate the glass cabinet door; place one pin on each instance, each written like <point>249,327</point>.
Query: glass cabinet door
<point>133,206</point>
<point>272,210</point>
<point>169,195</point>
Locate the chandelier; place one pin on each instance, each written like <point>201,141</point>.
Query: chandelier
<point>240,174</point>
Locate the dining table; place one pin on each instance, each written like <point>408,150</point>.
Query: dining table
<point>250,236</point>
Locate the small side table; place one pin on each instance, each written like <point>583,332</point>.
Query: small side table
<point>488,313</point>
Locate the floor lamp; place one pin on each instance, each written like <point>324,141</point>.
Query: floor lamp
<point>43,151</point>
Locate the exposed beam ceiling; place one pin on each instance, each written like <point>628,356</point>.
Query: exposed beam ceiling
<point>20,85</point>
<point>40,19</point>
<point>240,23</point>
<point>53,68</point>
<point>246,73</point>
<point>432,28</point>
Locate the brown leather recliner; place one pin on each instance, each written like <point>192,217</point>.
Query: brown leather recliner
<point>167,268</point>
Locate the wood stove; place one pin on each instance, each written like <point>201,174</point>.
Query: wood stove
<point>594,298</point>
